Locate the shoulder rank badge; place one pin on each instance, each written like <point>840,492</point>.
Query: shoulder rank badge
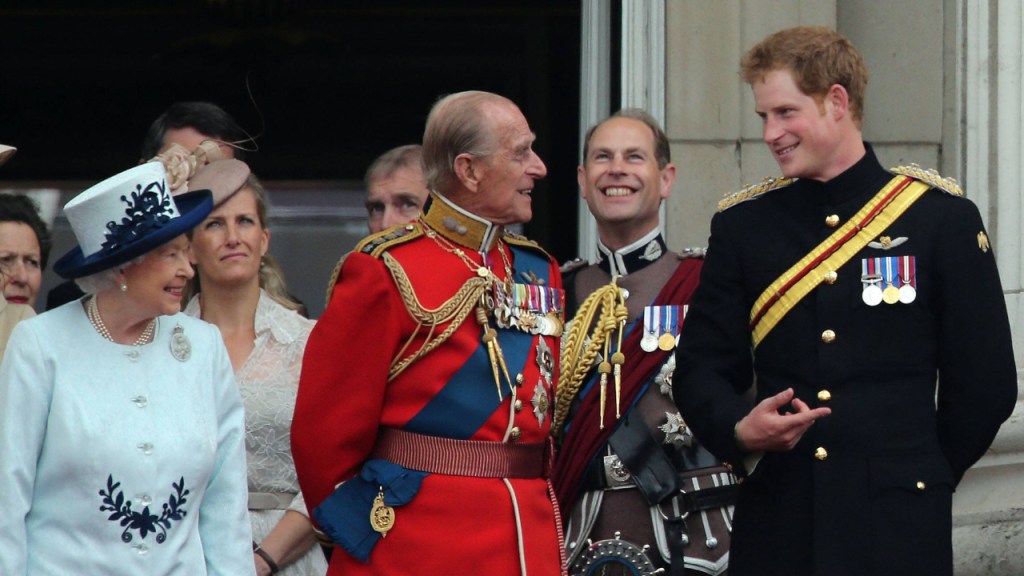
<point>573,265</point>
<point>693,252</point>
<point>374,244</point>
<point>753,191</point>
<point>931,177</point>
<point>524,242</point>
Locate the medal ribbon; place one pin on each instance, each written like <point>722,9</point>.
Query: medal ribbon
<point>872,219</point>
<point>907,274</point>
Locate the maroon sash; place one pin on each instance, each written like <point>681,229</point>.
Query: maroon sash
<point>584,437</point>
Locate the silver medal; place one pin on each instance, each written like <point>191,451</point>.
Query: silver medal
<point>181,348</point>
<point>872,295</point>
<point>907,294</point>
<point>649,343</point>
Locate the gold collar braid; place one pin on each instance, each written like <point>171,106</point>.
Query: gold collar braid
<point>461,227</point>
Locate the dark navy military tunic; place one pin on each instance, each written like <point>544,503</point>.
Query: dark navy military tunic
<point>917,390</point>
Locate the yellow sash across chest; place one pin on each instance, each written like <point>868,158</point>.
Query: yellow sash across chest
<point>873,218</point>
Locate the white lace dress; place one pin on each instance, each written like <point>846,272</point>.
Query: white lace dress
<point>268,383</point>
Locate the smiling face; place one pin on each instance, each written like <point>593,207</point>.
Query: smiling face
<point>396,198</point>
<point>21,272</point>
<point>621,181</point>
<point>156,284</point>
<point>228,245</point>
<point>504,180</point>
<point>809,137</point>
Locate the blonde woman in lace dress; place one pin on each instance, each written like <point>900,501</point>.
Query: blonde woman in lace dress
<point>265,339</point>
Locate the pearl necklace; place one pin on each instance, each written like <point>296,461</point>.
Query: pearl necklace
<point>93,312</point>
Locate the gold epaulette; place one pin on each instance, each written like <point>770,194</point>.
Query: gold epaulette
<point>930,177</point>
<point>375,245</point>
<point>753,191</point>
<point>523,241</point>
<point>692,252</point>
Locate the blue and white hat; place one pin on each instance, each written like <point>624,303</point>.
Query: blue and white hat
<point>126,216</point>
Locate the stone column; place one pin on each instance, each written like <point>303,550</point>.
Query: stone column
<point>988,507</point>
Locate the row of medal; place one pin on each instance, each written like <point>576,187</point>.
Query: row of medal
<point>529,307</point>
<point>889,279</point>
<point>662,325</point>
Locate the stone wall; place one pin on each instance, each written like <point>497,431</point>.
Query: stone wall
<point>945,92</point>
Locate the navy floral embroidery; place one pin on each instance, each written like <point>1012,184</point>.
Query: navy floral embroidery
<point>148,209</point>
<point>143,522</point>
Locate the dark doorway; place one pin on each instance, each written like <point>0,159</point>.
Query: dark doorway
<point>325,86</point>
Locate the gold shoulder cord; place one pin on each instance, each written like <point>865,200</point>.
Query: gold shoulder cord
<point>334,279</point>
<point>579,352</point>
<point>455,310</point>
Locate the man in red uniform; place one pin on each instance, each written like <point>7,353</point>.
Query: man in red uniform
<point>422,422</point>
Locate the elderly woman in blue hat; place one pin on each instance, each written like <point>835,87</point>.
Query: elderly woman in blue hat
<point>121,428</point>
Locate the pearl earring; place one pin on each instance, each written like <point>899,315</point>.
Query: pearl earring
<point>124,287</point>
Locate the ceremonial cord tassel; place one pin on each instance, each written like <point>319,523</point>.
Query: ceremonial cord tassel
<point>604,368</point>
<point>490,338</point>
<point>618,359</point>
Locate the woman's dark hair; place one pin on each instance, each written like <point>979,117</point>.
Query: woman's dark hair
<point>204,117</point>
<point>20,208</point>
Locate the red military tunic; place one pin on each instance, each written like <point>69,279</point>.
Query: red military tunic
<point>454,524</point>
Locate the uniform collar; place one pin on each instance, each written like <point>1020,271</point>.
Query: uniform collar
<point>459,226</point>
<point>863,176</point>
<point>636,256</point>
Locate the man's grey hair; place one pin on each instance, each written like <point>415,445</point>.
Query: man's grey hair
<point>457,124</point>
<point>408,156</point>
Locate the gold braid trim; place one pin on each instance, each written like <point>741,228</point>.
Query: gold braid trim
<point>753,191</point>
<point>579,354</point>
<point>334,279</point>
<point>931,177</point>
<point>375,245</point>
<point>455,310</point>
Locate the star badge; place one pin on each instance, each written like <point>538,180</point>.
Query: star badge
<point>540,402</point>
<point>677,433</point>
<point>545,362</point>
<point>664,377</point>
